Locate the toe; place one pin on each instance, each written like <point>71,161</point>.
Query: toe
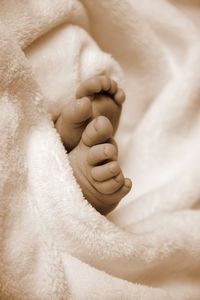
<point>76,111</point>
<point>110,186</point>
<point>89,87</point>
<point>72,121</point>
<point>97,84</point>
<point>119,96</point>
<point>82,110</point>
<point>108,85</point>
<point>105,82</point>
<point>97,131</point>
<point>106,171</point>
<point>123,191</point>
<point>117,196</point>
<point>99,153</point>
<point>79,112</point>
<point>113,87</point>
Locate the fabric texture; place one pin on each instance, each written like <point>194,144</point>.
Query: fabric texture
<point>53,243</point>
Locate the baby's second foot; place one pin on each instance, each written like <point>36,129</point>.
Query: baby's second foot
<point>106,96</point>
<point>96,169</point>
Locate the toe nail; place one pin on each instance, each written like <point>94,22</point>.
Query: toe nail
<point>107,151</point>
<point>114,168</point>
<point>98,123</point>
<point>128,183</point>
<point>79,102</point>
<point>119,178</point>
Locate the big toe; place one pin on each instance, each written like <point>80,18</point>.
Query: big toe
<point>72,121</point>
<point>98,131</point>
<point>77,111</point>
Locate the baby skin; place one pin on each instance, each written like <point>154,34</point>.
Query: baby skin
<point>86,127</point>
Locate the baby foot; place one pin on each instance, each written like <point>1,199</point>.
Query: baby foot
<point>97,96</point>
<point>96,169</point>
<point>106,96</point>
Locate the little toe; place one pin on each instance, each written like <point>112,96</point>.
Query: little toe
<point>100,153</point>
<point>106,171</point>
<point>119,96</point>
<point>123,191</point>
<point>97,131</point>
<point>117,196</point>
<point>110,186</point>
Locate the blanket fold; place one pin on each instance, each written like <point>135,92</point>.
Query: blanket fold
<point>53,244</point>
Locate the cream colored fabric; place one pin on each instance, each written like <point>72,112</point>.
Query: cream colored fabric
<point>53,244</point>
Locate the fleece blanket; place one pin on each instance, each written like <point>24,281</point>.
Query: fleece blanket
<point>53,244</point>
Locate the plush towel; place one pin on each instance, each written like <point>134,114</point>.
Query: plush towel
<point>53,244</point>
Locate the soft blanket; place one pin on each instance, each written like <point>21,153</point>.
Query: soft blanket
<point>53,244</point>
